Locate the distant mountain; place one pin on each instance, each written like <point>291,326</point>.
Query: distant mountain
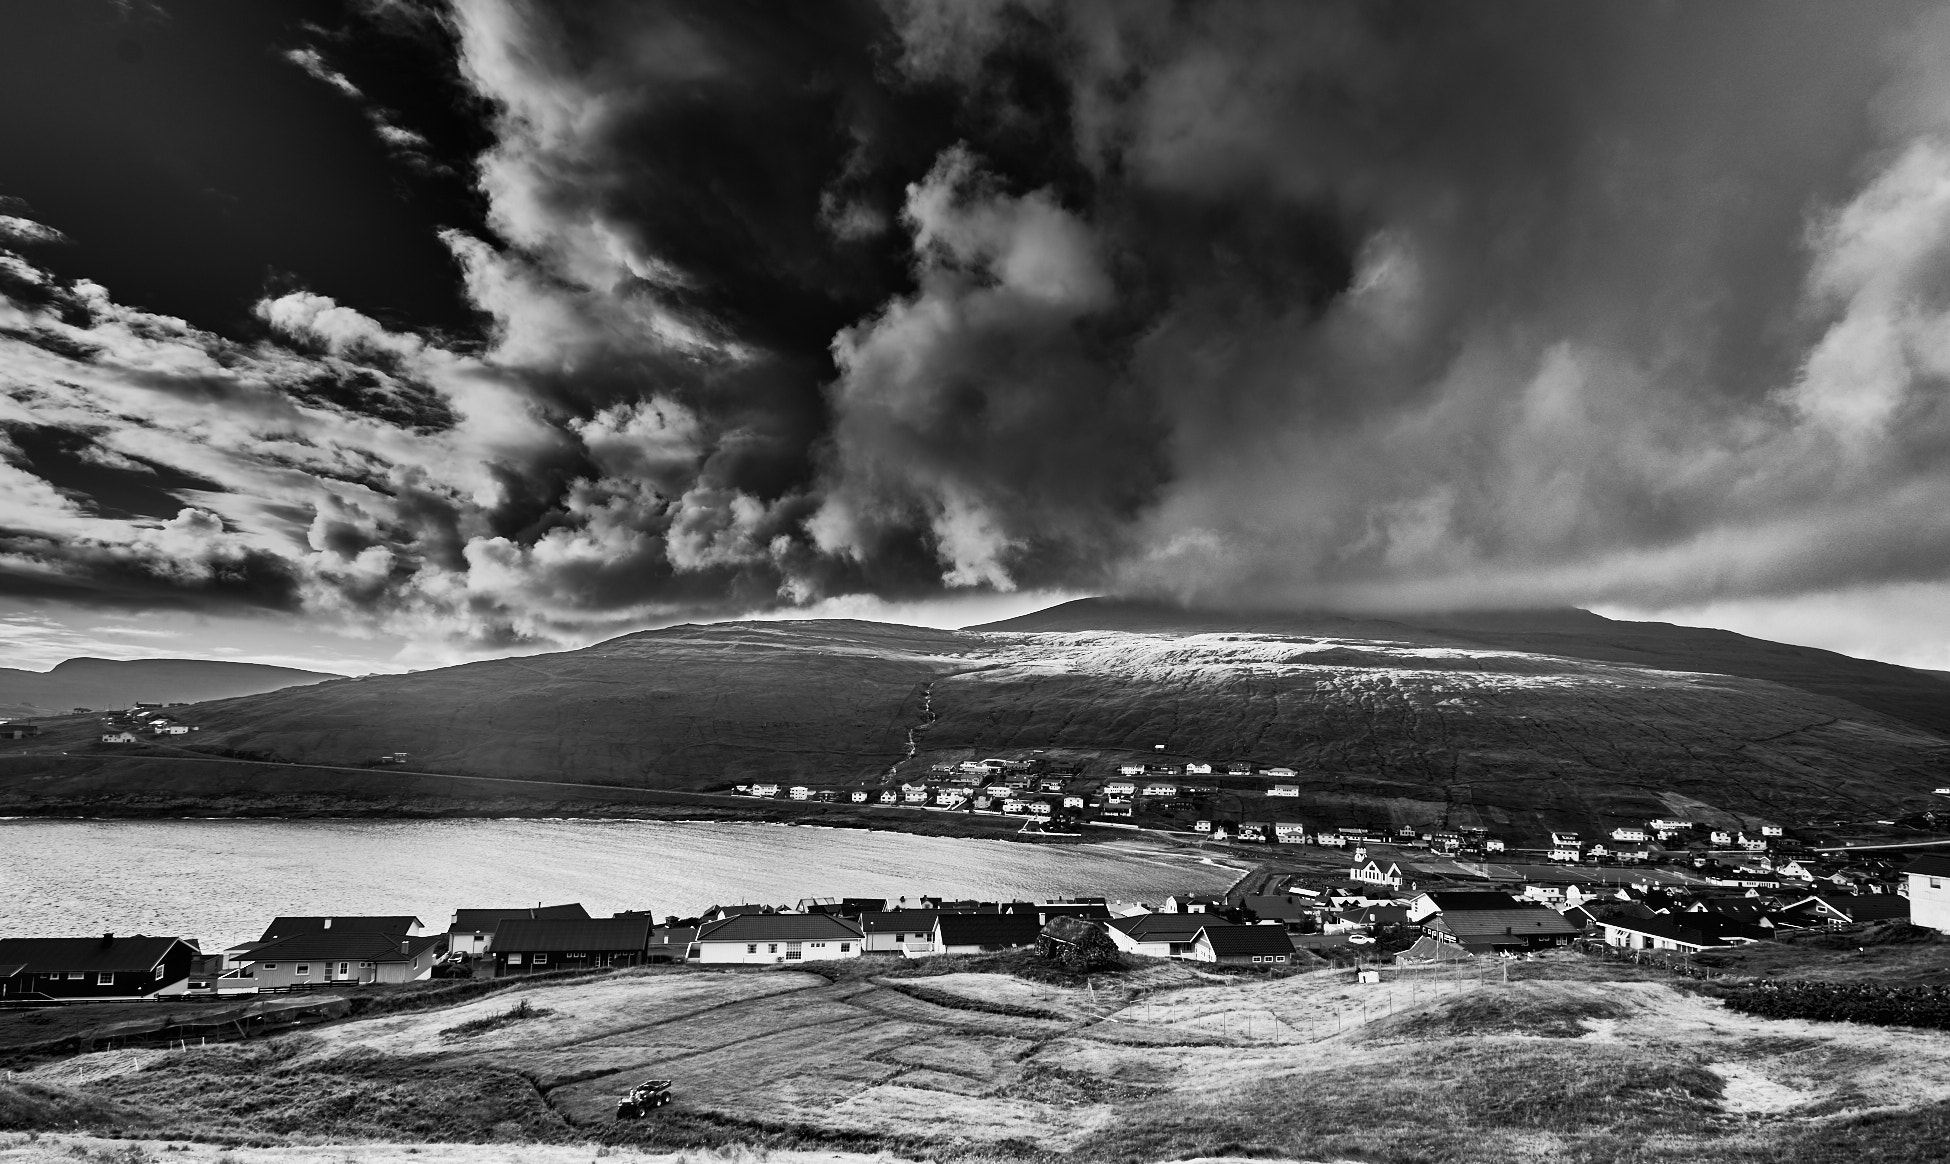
<point>1916,696</point>
<point>1511,720</point>
<point>108,683</point>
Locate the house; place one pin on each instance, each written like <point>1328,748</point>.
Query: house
<point>800,792</point>
<point>93,968</point>
<point>1192,903</point>
<point>1239,768</point>
<point>472,930</point>
<point>765,790</point>
<point>118,737</point>
<point>1332,838</point>
<point>1288,911</point>
<point>1492,845</point>
<point>1373,874</point>
<point>895,931</point>
<point>1839,909</point>
<point>543,945</point>
<point>1929,891</point>
<point>289,925</point>
<point>1130,770</point>
<point>1118,808</point>
<point>175,729</point>
<point>1073,802</point>
<point>1667,824</point>
<point>858,797</point>
<point>1290,790</point>
<point>1720,837</point>
<point>1290,832</point>
<point>1053,784</point>
<point>1767,830</point>
<point>1365,918</point>
<point>998,790</point>
<point>1201,826</point>
<point>1038,808</point>
<point>1255,832</point>
<point>889,796</point>
<point>1015,806</point>
<point>1198,769</point>
<point>915,796</point>
<point>1510,927</point>
<point>1160,935</point>
<point>1572,855</point>
<point>1120,788</point>
<point>1159,789</point>
<point>949,797</point>
<point>340,956</point>
<point>1666,933</point>
<point>1563,840</point>
<point>19,731</point>
<point>1278,773</point>
<point>767,938</point>
<point>1426,905</point>
<point>1629,833</point>
<point>974,933</point>
<point>1243,946</point>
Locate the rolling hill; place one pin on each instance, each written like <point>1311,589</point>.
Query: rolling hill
<point>111,683</point>
<point>1510,720</point>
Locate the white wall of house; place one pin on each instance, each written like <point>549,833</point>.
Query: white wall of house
<point>1929,901</point>
<point>766,953</point>
<point>288,972</point>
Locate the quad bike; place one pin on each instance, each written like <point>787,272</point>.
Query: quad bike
<point>643,1097</point>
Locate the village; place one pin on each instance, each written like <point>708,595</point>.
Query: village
<point>1384,907</point>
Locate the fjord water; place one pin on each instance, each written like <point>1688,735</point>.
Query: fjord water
<point>222,880</point>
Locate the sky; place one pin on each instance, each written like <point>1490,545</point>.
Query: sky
<point>375,334</point>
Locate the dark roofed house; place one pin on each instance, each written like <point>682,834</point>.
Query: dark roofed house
<point>1243,946</point>
<point>973,933</point>
<point>339,957</point>
<point>540,945</point>
<point>894,931</point>
<point>285,927</point>
<point>1513,926</point>
<point>765,938</point>
<point>1089,910</point>
<point>472,930</point>
<point>1290,911</point>
<point>1426,904</point>
<point>104,967</point>
<point>1686,933</point>
<point>1841,909</point>
<point>1160,935</point>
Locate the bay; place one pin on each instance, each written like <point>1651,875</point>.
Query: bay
<point>222,880</point>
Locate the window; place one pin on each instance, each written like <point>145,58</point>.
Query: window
<point>344,969</point>
<point>76,976</point>
<point>771,947</point>
<point>845,946</point>
<point>1936,883</point>
<point>540,959</point>
<point>514,959</point>
<point>104,980</point>
<point>1279,957</point>
<point>751,947</point>
<point>303,968</point>
<point>575,955</point>
<point>270,965</point>
<point>159,973</point>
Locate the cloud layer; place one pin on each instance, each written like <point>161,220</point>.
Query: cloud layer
<point>1354,305</point>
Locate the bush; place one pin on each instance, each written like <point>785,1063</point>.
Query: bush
<point>1843,1002</point>
<point>501,1018</point>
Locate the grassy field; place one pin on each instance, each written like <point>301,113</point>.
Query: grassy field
<point>966,1059</point>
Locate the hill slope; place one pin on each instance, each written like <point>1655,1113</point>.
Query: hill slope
<point>1918,697</point>
<point>108,683</point>
<point>1383,720</point>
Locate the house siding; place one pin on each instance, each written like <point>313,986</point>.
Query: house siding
<point>1929,901</point>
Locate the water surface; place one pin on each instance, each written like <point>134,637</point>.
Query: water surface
<point>222,880</point>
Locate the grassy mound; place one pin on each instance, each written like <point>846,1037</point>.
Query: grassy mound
<point>1519,1010</point>
<point>27,1107</point>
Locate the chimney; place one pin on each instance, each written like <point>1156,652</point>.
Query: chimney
<point>328,923</point>
<point>402,947</point>
<point>108,939</point>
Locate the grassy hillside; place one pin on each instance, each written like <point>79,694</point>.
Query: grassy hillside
<point>112,683</point>
<point>1384,721</point>
<point>992,1060</point>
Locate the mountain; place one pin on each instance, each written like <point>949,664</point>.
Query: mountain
<point>1512,720</point>
<point>1906,693</point>
<point>110,683</point>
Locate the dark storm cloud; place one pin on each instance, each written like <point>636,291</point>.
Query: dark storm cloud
<point>1370,305</point>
